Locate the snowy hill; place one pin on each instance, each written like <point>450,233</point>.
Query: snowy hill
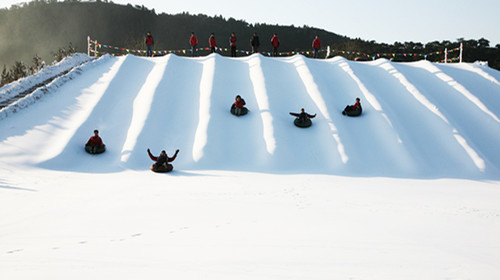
<point>408,190</point>
<point>420,119</point>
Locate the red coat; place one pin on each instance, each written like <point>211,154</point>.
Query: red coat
<point>240,103</point>
<point>275,41</point>
<point>211,42</point>
<point>193,41</point>
<point>232,41</point>
<point>95,141</point>
<point>149,40</point>
<point>316,43</point>
<point>356,106</point>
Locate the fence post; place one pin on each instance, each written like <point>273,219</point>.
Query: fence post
<point>446,55</point>
<point>461,49</point>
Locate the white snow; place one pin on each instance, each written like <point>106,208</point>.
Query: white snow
<point>408,190</point>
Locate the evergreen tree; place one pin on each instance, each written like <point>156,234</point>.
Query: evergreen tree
<point>5,79</point>
<point>18,71</point>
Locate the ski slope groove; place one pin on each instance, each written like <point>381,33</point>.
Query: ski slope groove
<point>420,119</point>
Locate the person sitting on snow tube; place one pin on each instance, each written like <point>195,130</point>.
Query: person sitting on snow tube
<point>237,107</point>
<point>303,119</point>
<point>354,110</point>
<point>162,161</point>
<point>95,145</point>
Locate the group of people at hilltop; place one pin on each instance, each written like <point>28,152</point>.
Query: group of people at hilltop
<point>212,43</point>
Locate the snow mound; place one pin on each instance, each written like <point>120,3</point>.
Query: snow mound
<point>420,120</point>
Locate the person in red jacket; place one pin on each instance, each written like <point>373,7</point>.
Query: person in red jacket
<point>316,46</point>
<point>211,42</point>
<point>238,105</point>
<point>275,42</point>
<point>95,145</point>
<point>149,44</point>
<point>193,41</point>
<point>232,44</point>
<point>162,161</point>
<point>353,110</point>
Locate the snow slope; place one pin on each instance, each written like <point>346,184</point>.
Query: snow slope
<point>409,190</point>
<point>420,119</point>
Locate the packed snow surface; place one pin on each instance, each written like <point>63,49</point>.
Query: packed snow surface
<point>408,190</point>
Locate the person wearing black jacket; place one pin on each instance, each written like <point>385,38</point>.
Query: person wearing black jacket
<point>162,161</point>
<point>255,43</point>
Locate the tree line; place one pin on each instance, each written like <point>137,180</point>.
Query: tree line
<point>39,27</point>
<point>20,69</point>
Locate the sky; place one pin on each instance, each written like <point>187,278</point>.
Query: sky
<point>385,21</point>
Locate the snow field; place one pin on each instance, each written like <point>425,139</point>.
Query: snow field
<point>409,190</point>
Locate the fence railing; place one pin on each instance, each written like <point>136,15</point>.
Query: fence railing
<point>96,49</point>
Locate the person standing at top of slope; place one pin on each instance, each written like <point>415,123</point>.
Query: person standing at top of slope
<point>275,42</point>
<point>255,43</point>
<point>149,44</point>
<point>232,44</point>
<point>162,161</point>
<point>354,110</point>
<point>193,41</point>
<point>211,43</point>
<point>95,145</point>
<point>316,46</point>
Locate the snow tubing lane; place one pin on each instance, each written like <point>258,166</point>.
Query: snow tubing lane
<point>244,111</point>
<point>99,150</point>
<point>303,124</point>
<point>162,169</point>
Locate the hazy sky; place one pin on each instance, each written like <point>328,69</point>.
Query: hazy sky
<point>380,20</point>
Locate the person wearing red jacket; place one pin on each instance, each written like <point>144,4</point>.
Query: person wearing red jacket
<point>149,44</point>
<point>95,145</point>
<point>275,42</point>
<point>193,41</point>
<point>211,43</point>
<point>237,106</point>
<point>316,46</point>
<point>232,44</point>
<point>162,161</point>
<point>353,110</point>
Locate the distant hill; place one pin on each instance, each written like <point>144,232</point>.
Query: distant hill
<point>41,28</point>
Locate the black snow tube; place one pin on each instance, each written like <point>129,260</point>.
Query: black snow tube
<point>162,169</point>
<point>352,113</point>
<point>302,123</point>
<point>95,150</point>
<point>244,111</point>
